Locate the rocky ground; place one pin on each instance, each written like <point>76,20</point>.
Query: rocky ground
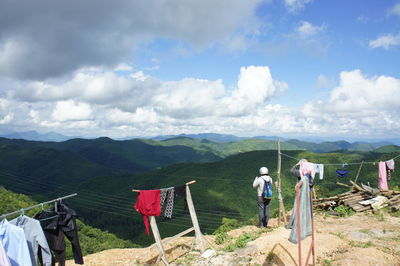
<point>361,239</point>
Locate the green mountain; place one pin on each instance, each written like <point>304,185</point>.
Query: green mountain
<point>388,148</point>
<point>91,239</point>
<point>128,156</point>
<point>331,146</point>
<point>223,188</point>
<point>224,149</point>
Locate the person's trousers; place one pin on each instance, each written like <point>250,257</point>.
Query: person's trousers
<point>263,211</point>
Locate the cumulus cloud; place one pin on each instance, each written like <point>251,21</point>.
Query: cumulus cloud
<point>385,41</point>
<point>306,29</point>
<point>70,35</point>
<point>358,93</point>
<point>359,103</point>
<point>294,6</point>
<point>395,10</point>
<point>70,110</point>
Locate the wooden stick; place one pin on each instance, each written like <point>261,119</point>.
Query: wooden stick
<point>188,183</point>
<point>357,186</point>
<point>157,238</point>
<point>195,222</point>
<point>343,185</point>
<point>359,169</point>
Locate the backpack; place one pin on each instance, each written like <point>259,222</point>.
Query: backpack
<point>267,191</point>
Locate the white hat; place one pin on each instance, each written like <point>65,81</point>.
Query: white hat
<point>263,170</point>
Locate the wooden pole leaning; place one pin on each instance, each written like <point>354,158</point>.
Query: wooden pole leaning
<point>157,238</point>
<point>193,216</point>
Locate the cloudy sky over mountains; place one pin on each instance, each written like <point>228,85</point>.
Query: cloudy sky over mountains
<point>139,68</point>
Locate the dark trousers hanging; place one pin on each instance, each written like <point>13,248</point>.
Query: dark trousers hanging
<point>55,226</point>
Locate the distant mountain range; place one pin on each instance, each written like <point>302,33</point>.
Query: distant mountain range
<point>33,135</point>
<point>226,140</point>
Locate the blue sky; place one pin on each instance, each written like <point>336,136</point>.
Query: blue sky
<point>143,68</point>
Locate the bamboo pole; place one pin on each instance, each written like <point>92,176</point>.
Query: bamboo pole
<point>282,212</point>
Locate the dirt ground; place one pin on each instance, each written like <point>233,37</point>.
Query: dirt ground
<point>361,239</point>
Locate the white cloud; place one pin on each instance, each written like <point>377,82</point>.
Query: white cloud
<point>71,111</point>
<point>395,10</point>
<point>306,29</point>
<point>358,93</point>
<point>385,41</point>
<point>296,5</point>
<point>255,86</point>
<point>123,67</point>
<point>6,119</point>
<point>360,105</point>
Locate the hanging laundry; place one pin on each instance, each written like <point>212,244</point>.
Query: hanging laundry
<point>167,194</point>
<point>57,224</point>
<point>4,260</point>
<point>36,239</point>
<point>305,214</point>
<point>318,168</point>
<point>14,243</point>
<point>148,204</point>
<point>389,168</point>
<point>382,179</point>
<point>341,173</point>
<point>306,167</point>
<point>180,191</point>
<point>390,164</point>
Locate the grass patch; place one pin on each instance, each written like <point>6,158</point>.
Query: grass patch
<point>241,241</point>
<point>326,262</point>
<point>359,244</point>
<point>344,211</point>
<point>340,234</point>
<point>366,231</point>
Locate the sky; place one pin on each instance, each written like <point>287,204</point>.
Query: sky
<point>124,68</point>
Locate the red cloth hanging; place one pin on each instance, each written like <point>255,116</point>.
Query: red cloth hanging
<point>148,204</point>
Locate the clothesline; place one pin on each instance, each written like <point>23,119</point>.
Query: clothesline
<point>188,183</point>
<point>37,205</point>
<point>358,163</point>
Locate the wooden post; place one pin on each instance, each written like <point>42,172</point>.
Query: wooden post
<point>281,212</point>
<point>198,234</point>
<point>358,173</point>
<point>157,238</point>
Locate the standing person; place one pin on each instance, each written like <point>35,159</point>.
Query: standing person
<point>263,203</point>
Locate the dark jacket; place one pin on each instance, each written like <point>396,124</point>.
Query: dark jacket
<point>57,224</point>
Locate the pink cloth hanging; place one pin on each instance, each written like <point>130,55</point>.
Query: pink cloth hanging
<point>306,168</point>
<point>382,181</point>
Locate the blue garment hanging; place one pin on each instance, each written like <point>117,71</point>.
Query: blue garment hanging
<point>341,173</point>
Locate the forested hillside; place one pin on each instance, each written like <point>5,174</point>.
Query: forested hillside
<point>128,156</point>
<point>223,189</point>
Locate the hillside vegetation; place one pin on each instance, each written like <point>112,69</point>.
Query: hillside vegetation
<point>223,189</point>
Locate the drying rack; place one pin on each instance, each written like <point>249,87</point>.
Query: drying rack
<point>199,238</point>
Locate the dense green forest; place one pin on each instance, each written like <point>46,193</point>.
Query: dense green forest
<point>105,199</point>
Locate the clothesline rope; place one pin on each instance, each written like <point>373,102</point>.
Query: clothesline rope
<point>358,163</point>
